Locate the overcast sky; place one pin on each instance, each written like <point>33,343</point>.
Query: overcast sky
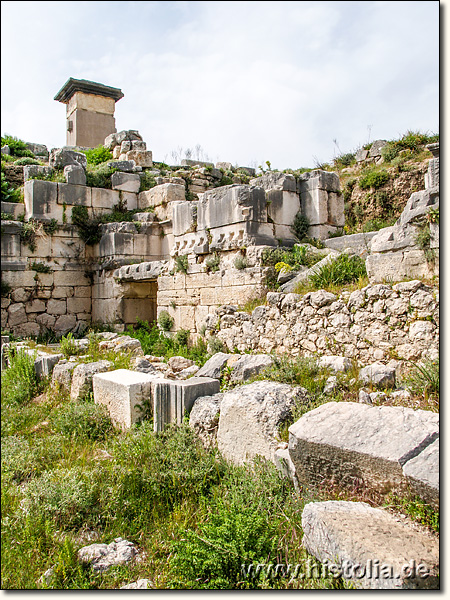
<point>293,83</point>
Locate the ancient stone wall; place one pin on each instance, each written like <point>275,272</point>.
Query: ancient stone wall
<point>379,322</point>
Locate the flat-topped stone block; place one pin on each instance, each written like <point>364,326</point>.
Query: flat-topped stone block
<point>125,182</point>
<point>353,443</point>
<point>370,546</point>
<point>173,399</point>
<point>126,394</point>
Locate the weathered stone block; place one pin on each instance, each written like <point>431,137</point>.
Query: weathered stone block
<point>370,546</point>
<point>349,442</point>
<point>282,206</point>
<point>142,158</point>
<point>40,199</point>
<point>275,180</point>
<point>250,416</point>
<point>231,204</point>
<point>75,175</point>
<point>104,198</point>
<point>83,375</point>
<point>126,394</point>
<point>126,182</point>
<point>172,399</point>
<point>59,158</point>
<point>184,216</point>
<point>161,194</point>
<point>76,195</point>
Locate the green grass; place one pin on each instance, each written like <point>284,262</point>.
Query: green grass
<point>343,270</point>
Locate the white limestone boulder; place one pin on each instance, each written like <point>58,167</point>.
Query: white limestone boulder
<point>370,546</point>
<point>250,418</point>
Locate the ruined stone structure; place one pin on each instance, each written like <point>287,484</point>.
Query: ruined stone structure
<point>179,254</point>
<point>89,112</point>
<point>196,238</point>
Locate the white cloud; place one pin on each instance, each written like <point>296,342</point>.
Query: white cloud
<point>248,81</point>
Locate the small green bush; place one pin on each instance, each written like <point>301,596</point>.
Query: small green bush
<point>97,156</point>
<point>215,345</point>
<point>23,459</point>
<point>373,179</point>
<point>99,176</point>
<point>26,160</point>
<point>68,497</point>
<point>17,147</point>
<point>423,378</point>
<point>390,151</point>
<point>6,289</point>
<point>165,321</point>
<point>88,229</point>
<point>213,263</point>
<point>83,420</point>
<point>68,346</point>
<point>344,269</point>
<point>40,267</point>
<point>181,264</point>
<point>300,226</point>
<point>240,263</point>
<point>9,193</point>
<point>181,338</point>
<point>20,383</point>
<point>344,160</point>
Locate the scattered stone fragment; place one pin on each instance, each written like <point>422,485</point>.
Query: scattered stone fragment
<point>250,417</point>
<point>370,546</point>
<point>103,556</point>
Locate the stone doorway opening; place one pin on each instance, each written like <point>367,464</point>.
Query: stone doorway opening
<point>139,301</point>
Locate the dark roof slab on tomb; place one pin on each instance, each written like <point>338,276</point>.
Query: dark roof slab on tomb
<point>87,87</point>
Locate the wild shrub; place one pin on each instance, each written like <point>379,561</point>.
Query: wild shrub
<point>26,160</point>
<point>373,179</point>
<point>88,229</point>
<point>68,346</point>
<point>344,160</point>
<point>82,420</point>
<point>165,320</point>
<point>20,383</point>
<point>23,459</point>
<point>9,193</point>
<point>99,175</point>
<point>300,226</point>
<point>17,147</point>
<point>165,469</point>
<point>241,527</point>
<point>215,345</point>
<point>97,156</point>
<point>423,378</point>
<point>344,269</point>
<point>181,264</point>
<point>302,371</point>
<point>212,264</point>
<point>240,263</point>
<point>67,497</point>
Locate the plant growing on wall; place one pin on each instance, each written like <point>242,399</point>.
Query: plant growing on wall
<point>212,264</point>
<point>300,226</point>
<point>16,147</point>
<point>165,321</point>
<point>181,264</point>
<point>96,156</point>
<point>9,193</point>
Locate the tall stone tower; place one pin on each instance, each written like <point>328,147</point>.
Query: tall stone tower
<point>89,112</point>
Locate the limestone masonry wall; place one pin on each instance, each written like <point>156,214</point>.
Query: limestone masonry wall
<point>379,322</point>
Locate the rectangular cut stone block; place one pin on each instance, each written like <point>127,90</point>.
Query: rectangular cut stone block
<point>282,206</point>
<point>350,442</point>
<point>315,206</point>
<point>172,399</point>
<point>126,182</point>
<point>196,243</point>
<point>116,244</point>
<point>142,158</point>
<point>16,209</point>
<point>41,200</point>
<point>323,180</point>
<point>126,394</point>
<point>74,195</point>
<point>231,204</point>
<point>184,217</point>
<point>238,235</point>
<point>371,547</point>
<point>161,194</point>
<point>103,198</point>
